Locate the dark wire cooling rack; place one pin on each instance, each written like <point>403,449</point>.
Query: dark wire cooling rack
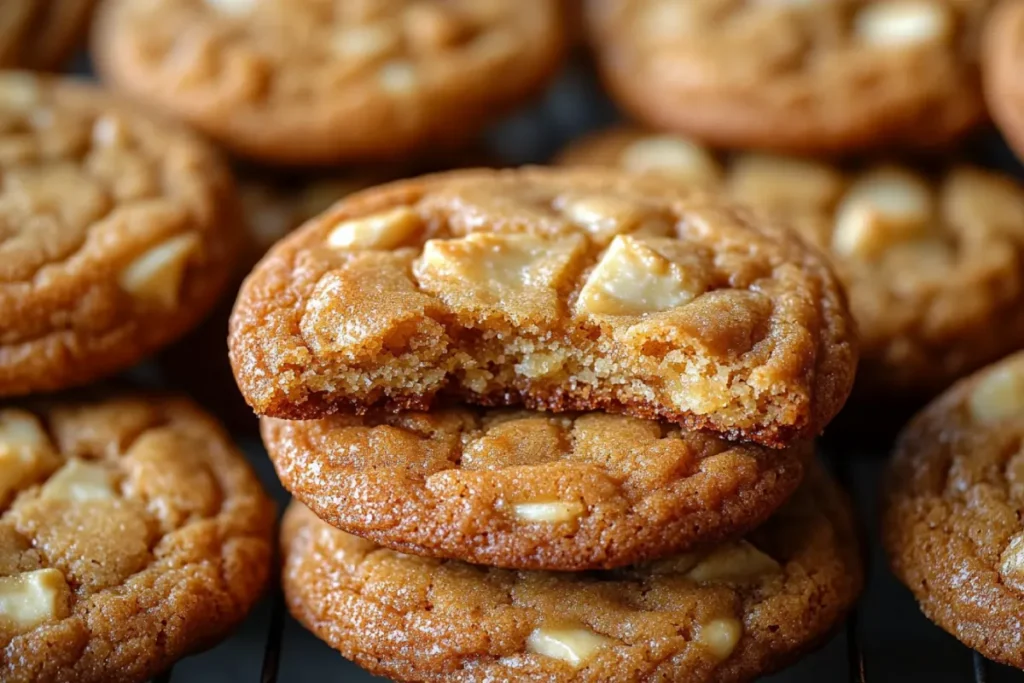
<point>886,640</point>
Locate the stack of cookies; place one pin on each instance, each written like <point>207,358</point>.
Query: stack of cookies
<point>553,424</point>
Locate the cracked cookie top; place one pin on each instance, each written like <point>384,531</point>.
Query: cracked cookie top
<point>815,75</point>
<point>560,289</point>
<point>117,233</point>
<point>132,533</point>
<point>727,613</point>
<point>932,257</point>
<point>530,490</point>
<point>954,505</point>
<point>313,81</point>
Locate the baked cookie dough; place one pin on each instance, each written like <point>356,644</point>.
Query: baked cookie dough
<point>309,82</point>
<point>41,34</point>
<point>952,521</point>
<point>1003,70</point>
<point>117,233</point>
<point>530,490</point>
<point>932,259</point>
<point>730,613</point>
<point>796,76</point>
<point>558,289</point>
<point>132,533</point>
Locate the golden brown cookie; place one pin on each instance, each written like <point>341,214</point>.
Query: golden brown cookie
<point>952,522</point>
<point>41,34</point>
<point>729,613</point>
<point>797,76</point>
<point>132,533</point>
<point>1003,70</point>
<point>304,81</point>
<point>117,233</point>
<point>559,289</point>
<point>530,490</point>
<point>932,259</point>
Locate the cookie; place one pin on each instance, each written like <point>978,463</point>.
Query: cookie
<point>558,289</point>
<point>308,82</point>
<point>118,233</point>
<point>795,76</point>
<point>728,613</point>
<point>1002,68</point>
<point>932,258</point>
<point>133,533</point>
<point>952,524</point>
<point>41,34</point>
<point>529,490</point>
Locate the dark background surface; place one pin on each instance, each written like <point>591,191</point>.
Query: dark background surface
<point>897,643</point>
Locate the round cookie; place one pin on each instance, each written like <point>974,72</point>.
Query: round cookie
<point>1003,70</point>
<point>952,520</point>
<point>133,533</point>
<point>932,258</point>
<point>308,82</point>
<point>797,76</point>
<point>117,233</point>
<point>530,490</point>
<point>729,613</point>
<point>41,34</point>
<point>559,289</point>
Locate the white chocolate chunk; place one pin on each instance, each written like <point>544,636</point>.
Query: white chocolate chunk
<point>156,275</point>
<point>18,90</point>
<point>33,598</point>
<point>25,451</point>
<point>738,561</point>
<point>231,7</point>
<point>632,278</point>
<point>364,42</point>
<point>898,23</point>
<point>398,78</point>
<point>783,182</point>
<point>555,511</point>
<point>110,130</point>
<point>1011,563</point>
<point>720,636</point>
<point>576,646</point>
<point>604,217</point>
<point>673,156</point>
<point>491,262</point>
<point>882,208</point>
<point>385,230</point>
<point>999,395</point>
<point>80,482</point>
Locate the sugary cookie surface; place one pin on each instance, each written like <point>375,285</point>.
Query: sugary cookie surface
<point>729,613</point>
<point>530,490</point>
<point>309,81</point>
<point>116,233</point>
<point>932,262</point>
<point>952,524</point>
<point>131,534</point>
<point>810,75</point>
<point>559,289</point>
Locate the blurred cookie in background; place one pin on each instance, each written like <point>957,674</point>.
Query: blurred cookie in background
<point>41,34</point>
<point>795,76</point>
<point>1003,62</point>
<point>932,258</point>
<point>302,82</point>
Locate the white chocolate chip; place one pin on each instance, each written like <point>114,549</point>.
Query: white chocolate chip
<point>556,511</point>
<point>110,131</point>
<point>604,217</point>
<point>494,262</point>
<point>1011,563</point>
<point>575,646</point>
<point>80,482</point>
<point>25,451</point>
<point>156,275</point>
<point>999,395</point>
<point>738,561</point>
<point>785,183</point>
<point>881,208</point>
<point>384,230</point>
<point>18,90</point>
<point>681,159</point>
<point>898,23</point>
<point>398,78</point>
<point>364,42</point>
<point>33,598</point>
<point>720,636</point>
<point>231,7</point>
<point>632,278</point>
